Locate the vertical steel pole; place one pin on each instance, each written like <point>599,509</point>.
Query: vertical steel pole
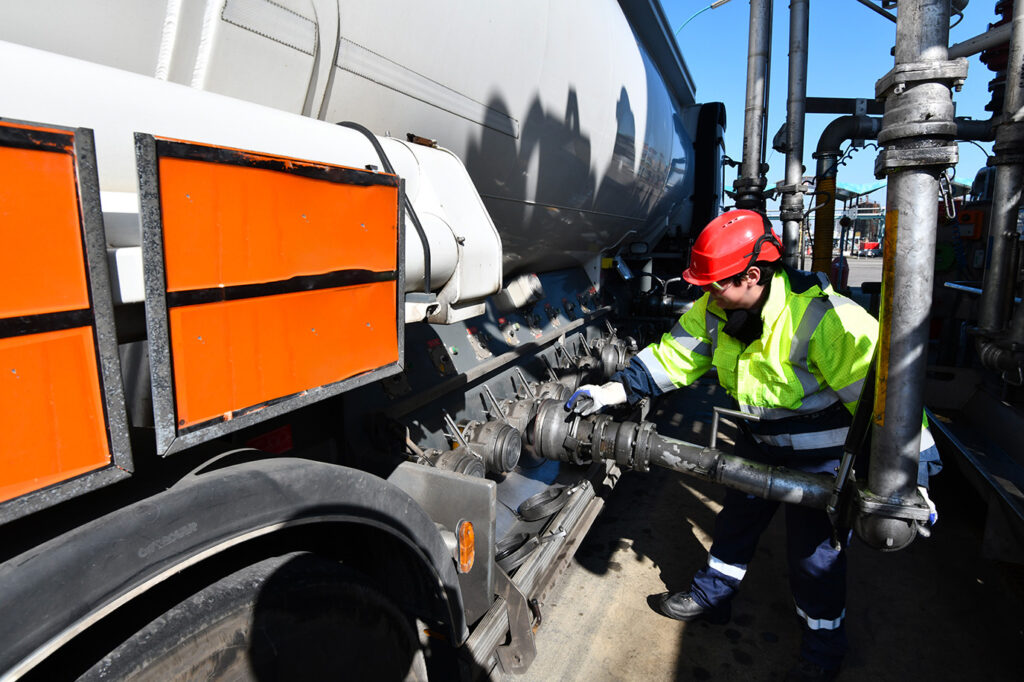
<point>918,132</point>
<point>792,205</point>
<point>1006,194</point>
<point>750,185</point>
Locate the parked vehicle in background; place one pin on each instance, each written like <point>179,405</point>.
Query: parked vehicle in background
<point>870,250</point>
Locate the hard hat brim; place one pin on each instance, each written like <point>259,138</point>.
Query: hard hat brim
<point>693,278</point>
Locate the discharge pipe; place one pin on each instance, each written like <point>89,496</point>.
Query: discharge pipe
<point>791,210</point>
<point>562,436</point>
<point>1000,276</point>
<point>918,134</point>
<point>558,435</point>
<point>827,154</point>
<point>751,183</point>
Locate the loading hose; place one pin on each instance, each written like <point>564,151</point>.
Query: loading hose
<point>885,524</point>
<point>566,437</point>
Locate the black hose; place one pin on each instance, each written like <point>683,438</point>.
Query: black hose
<point>408,204</point>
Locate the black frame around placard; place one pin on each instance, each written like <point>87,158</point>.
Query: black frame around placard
<point>79,143</point>
<point>149,149</point>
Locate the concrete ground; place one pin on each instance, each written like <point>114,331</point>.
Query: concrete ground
<point>934,611</point>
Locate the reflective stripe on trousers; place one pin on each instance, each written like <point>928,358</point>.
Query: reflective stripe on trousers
<point>732,570</point>
<point>820,623</point>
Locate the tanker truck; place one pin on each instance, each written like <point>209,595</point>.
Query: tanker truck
<point>285,287</point>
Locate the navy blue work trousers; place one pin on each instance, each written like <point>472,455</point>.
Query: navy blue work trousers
<point>817,571</point>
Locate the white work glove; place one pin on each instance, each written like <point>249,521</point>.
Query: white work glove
<point>591,398</point>
<point>933,513</point>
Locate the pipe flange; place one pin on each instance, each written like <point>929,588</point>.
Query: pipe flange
<point>1005,160</point>
<point>551,427</point>
<point>1008,134</point>
<point>600,448</point>
<point>873,505</point>
<point>625,437</point>
<point>953,72</point>
<point>1009,147</point>
<point>642,451</point>
<point>791,214</point>
<point>909,125</point>
<point>741,184</point>
<point>890,159</point>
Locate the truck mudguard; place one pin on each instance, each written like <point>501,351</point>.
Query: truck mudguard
<point>64,586</point>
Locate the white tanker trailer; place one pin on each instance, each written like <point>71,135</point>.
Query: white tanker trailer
<point>273,380</point>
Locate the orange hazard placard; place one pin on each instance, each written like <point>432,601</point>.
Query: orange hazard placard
<point>229,356</point>
<point>53,422</point>
<point>51,417</point>
<point>42,269</point>
<point>227,225</point>
<point>280,279</point>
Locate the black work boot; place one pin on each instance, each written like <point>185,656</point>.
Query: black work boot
<point>682,606</point>
<point>806,671</point>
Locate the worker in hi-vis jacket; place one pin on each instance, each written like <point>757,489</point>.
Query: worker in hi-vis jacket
<point>794,353</point>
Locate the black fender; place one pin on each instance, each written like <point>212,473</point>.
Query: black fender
<point>55,591</point>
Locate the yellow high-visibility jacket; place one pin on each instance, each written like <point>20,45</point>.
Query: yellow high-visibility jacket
<point>815,349</point>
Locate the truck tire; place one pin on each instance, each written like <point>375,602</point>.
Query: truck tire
<point>294,617</point>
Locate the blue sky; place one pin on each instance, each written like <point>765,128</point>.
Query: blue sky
<point>849,49</point>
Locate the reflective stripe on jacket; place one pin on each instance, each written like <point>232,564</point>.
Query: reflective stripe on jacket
<point>814,350</point>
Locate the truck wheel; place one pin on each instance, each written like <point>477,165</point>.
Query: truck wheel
<point>294,617</point>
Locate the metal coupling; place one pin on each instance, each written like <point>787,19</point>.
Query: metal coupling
<point>787,213</point>
<point>497,443</point>
<point>902,77</point>
<point>1008,149</point>
<point>893,158</point>
<point>750,192</point>
<point>461,461</point>
<point>888,525</point>
<point>642,447</point>
<point>919,125</point>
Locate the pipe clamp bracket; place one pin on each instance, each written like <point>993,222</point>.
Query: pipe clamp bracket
<point>891,159</point>
<point>953,71</point>
<point>877,506</point>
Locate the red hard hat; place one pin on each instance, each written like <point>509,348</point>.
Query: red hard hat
<point>729,245</point>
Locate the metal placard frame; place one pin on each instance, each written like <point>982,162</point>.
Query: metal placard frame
<point>169,438</point>
<point>108,364</point>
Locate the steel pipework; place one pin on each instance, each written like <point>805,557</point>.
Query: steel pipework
<point>563,436</point>
<point>1009,149</point>
<point>883,523</point>
<point>792,205</point>
<point>751,183</point>
<point>754,478</point>
<point>827,154</point>
<point>918,132</point>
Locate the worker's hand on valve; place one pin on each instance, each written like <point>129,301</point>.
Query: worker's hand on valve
<point>591,398</point>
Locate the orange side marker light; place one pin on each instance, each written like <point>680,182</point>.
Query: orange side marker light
<point>467,546</point>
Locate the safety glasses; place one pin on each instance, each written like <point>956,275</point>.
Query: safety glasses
<point>718,286</point>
